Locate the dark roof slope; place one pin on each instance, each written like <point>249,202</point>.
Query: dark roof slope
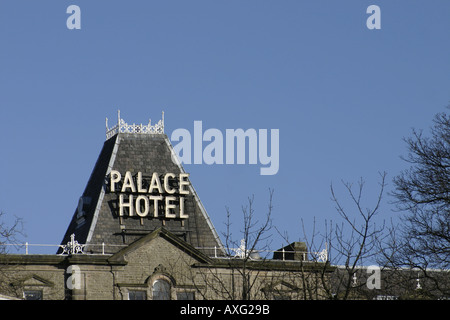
<point>99,221</point>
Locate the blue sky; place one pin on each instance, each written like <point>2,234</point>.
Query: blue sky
<point>342,96</point>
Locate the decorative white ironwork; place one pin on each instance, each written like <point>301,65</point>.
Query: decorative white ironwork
<point>322,256</point>
<point>240,252</point>
<point>123,127</point>
<point>72,247</point>
<point>418,286</point>
<point>355,280</point>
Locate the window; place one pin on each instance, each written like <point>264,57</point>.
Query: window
<point>281,297</point>
<point>185,295</point>
<point>137,295</point>
<point>381,297</point>
<point>161,290</point>
<point>32,295</point>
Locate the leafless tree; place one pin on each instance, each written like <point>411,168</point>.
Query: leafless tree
<point>349,244</point>
<point>422,194</point>
<point>358,245</point>
<point>9,235</point>
<point>9,232</point>
<point>254,238</point>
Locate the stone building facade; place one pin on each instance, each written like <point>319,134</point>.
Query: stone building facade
<point>140,231</point>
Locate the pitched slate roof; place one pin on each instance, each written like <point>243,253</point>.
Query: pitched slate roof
<point>96,220</point>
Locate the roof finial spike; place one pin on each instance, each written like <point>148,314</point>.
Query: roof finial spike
<point>118,116</point>
<point>418,286</point>
<point>106,122</point>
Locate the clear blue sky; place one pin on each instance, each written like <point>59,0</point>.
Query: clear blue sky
<point>342,96</point>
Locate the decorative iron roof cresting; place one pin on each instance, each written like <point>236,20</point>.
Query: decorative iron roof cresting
<point>123,127</point>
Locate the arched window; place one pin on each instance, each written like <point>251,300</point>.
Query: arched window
<point>161,290</point>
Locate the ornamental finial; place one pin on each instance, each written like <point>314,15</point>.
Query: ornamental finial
<point>72,247</point>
